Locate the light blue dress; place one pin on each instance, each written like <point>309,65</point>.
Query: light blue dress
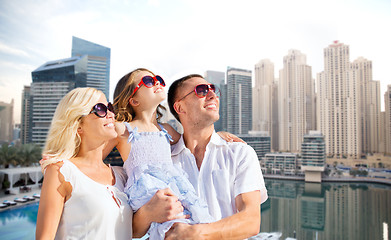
<point>149,168</point>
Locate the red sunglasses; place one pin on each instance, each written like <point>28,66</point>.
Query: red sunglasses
<point>202,90</point>
<point>149,82</point>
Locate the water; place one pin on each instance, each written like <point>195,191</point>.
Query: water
<point>294,210</point>
<point>327,210</point>
<point>19,223</point>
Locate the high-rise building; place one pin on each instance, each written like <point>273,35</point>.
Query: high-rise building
<point>369,108</point>
<point>51,82</point>
<point>313,156</point>
<point>387,120</point>
<point>98,63</point>
<point>265,101</point>
<point>6,121</point>
<point>239,101</point>
<point>218,79</point>
<point>338,104</point>
<point>25,116</point>
<point>296,107</point>
<point>259,141</point>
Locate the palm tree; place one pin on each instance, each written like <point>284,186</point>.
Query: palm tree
<point>28,154</point>
<point>8,155</point>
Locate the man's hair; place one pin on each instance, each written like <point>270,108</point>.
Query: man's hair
<point>175,89</point>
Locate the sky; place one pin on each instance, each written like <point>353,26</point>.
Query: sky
<point>174,38</point>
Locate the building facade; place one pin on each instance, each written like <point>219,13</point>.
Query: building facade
<point>51,82</point>
<point>25,136</point>
<point>239,100</point>
<point>338,104</point>
<point>296,106</point>
<point>98,63</point>
<point>387,120</point>
<point>259,141</point>
<point>218,79</point>
<point>278,163</point>
<point>265,101</point>
<point>6,121</point>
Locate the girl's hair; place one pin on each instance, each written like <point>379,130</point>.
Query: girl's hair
<point>124,89</point>
<point>63,140</point>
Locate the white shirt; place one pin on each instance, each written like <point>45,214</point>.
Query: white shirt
<point>227,170</point>
<point>95,211</point>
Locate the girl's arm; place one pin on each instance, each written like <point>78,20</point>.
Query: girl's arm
<point>174,134</point>
<point>55,191</point>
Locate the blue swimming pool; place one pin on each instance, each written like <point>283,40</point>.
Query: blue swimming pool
<point>19,223</point>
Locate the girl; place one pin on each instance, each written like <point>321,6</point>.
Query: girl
<point>81,197</point>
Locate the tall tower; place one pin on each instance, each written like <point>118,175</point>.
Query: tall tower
<point>239,102</point>
<point>338,104</point>
<point>51,82</point>
<point>6,121</point>
<point>265,104</point>
<point>296,101</point>
<point>98,66</point>
<point>218,79</point>
<point>369,92</point>
<point>25,116</point>
<point>387,120</point>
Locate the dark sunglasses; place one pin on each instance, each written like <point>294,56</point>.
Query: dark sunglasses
<point>149,82</point>
<point>100,109</point>
<point>202,90</point>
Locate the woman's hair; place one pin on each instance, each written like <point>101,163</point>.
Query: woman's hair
<point>122,93</point>
<point>63,140</point>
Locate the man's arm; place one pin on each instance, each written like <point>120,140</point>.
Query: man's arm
<point>244,224</point>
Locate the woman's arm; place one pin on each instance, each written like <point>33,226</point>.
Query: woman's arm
<point>55,191</point>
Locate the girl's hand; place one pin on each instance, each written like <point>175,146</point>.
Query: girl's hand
<point>229,137</point>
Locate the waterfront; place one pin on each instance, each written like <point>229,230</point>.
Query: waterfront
<point>327,210</point>
<point>295,209</point>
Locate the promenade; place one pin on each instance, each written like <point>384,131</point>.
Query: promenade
<point>11,197</point>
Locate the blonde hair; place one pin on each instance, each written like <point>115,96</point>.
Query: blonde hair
<point>63,140</point>
<point>122,93</point>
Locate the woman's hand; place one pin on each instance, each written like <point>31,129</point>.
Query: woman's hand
<point>229,137</point>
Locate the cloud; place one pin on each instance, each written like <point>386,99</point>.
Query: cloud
<point>12,51</point>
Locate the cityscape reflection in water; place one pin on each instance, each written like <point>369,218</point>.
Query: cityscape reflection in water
<point>327,210</point>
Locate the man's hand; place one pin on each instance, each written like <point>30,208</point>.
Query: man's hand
<point>183,231</point>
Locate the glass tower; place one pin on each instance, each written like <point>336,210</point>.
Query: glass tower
<point>98,67</point>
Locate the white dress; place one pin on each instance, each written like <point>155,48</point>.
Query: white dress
<point>94,211</point>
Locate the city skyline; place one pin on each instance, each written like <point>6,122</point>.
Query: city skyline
<point>181,37</point>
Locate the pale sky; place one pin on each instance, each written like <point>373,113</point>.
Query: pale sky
<point>178,37</point>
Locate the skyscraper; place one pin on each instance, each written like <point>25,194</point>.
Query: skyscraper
<point>369,108</point>
<point>338,104</point>
<point>6,121</point>
<point>239,101</point>
<point>98,63</point>
<point>296,101</point>
<point>218,79</point>
<point>51,82</point>
<point>387,120</point>
<point>25,116</point>
<point>265,101</point>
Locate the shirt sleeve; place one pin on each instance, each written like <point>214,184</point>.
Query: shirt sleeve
<point>248,174</point>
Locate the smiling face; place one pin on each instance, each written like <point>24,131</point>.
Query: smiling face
<point>196,110</point>
<point>154,94</point>
<point>99,128</point>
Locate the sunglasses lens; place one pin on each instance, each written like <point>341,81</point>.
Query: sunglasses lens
<point>110,107</point>
<point>148,81</point>
<point>161,81</point>
<point>202,90</point>
<point>100,109</point>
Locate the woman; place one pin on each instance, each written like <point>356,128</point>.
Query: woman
<point>81,197</point>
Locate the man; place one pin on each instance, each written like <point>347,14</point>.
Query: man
<point>227,176</point>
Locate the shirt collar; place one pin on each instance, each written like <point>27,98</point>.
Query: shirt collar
<point>180,145</point>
